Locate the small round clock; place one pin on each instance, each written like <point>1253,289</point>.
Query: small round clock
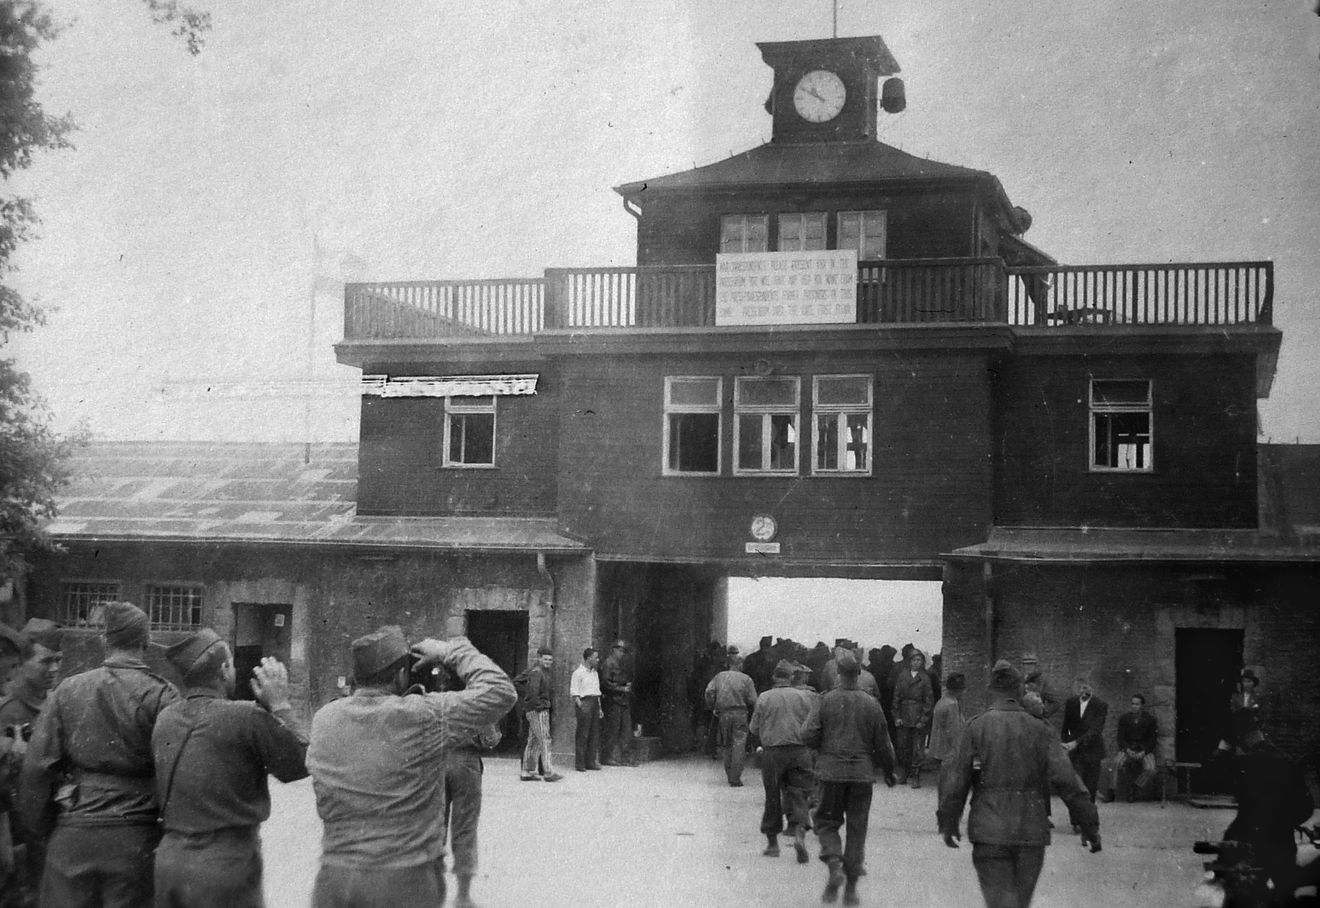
<point>763,528</point>
<point>819,96</point>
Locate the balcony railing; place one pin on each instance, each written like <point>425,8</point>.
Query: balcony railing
<point>888,292</point>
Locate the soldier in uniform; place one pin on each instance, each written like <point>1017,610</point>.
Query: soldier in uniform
<point>89,774</point>
<point>34,677</point>
<point>616,685</point>
<point>212,757</point>
<point>377,760</point>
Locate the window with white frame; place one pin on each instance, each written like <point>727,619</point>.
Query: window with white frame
<point>1121,430</point>
<point>693,408</point>
<point>863,231</point>
<point>174,607</point>
<point>841,408</point>
<point>803,231</point>
<point>766,424</point>
<point>470,431</point>
<point>82,602</point>
<point>744,232</point>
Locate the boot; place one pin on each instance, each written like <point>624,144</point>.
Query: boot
<point>800,845</point>
<point>772,846</point>
<point>463,898</point>
<point>915,779</point>
<point>850,893</point>
<point>831,893</point>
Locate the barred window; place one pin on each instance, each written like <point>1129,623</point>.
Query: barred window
<point>174,608</point>
<point>81,602</point>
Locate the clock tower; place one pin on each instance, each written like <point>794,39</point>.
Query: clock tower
<point>825,90</point>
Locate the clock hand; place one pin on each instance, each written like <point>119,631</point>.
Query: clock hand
<point>815,94</point>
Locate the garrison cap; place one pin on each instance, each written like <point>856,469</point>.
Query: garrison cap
<point>126,625</point>
<point>847,664</point>
<point>378,650</point>
<point>184,654</point>
<point>45,632</point>
<point>783,669</point>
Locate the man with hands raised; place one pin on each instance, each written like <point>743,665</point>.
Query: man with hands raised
<point>212,756</point>
<point>377,765</point>
<point>1008,760</point>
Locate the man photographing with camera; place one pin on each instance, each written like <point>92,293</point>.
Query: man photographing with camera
<point>377,766</point>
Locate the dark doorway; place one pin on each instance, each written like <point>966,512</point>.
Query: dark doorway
<point>260,629</point>
<point>1206,665</point>
<point>502,635</point>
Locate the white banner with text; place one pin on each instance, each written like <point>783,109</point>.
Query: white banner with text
<point>786,288</point>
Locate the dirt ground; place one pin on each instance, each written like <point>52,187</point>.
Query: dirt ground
<point>673,833</point>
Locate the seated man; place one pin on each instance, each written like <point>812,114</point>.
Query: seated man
<point>1132,773</point>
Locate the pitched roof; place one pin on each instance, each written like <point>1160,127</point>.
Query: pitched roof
<point>807,163</point>
<point>258,493</point>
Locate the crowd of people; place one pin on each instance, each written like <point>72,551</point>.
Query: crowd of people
<point>119,788</point>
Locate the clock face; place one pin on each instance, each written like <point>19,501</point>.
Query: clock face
<point>763,528</point>
<point>819,96</point>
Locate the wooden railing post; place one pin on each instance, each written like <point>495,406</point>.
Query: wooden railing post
<point>556,299</point>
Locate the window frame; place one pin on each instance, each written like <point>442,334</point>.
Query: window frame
<point>1096,410</point>
<point>802,216</point>
<point>152,590</point>
<point>842,412</point>
<point>746,219</point>
<point>671,409</point>
<point>458,406</point>
<point>767,412</point>
<point>880,214</point>
<point>68,619</point>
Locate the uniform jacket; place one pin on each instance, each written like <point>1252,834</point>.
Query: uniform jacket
<point>780,715</point>
<point>847,728</point>
<point>913,698</point>
<point>95,732</point>
<point>1008,760</point>
<point>377,763</point>
<point>539,692</point>
<point>731,689</point>
<point>1087,730</point>
<point>1137,731</point>
<point>614,674</point>
<point>829,679</point>
<point>218,779</point>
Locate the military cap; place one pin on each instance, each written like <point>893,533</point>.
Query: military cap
<point>799,668</point>
<point>767,640</point>
<point>544,651</point>
<point>1004,678</point>
<point>185,654</point>
<point>126,625</point>
<point>45,632</point>
<point>783,669</point>
<point>732,650</point>
<point>378,650</point>
<point>956,681</point>
<point>847,664</point>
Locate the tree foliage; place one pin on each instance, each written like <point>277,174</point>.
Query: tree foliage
<point>33,456</point>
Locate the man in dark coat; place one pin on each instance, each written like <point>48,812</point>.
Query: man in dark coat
<point>212,757</point>
<point>912,706</point>
<point>1008,760</point>
<point>760,665</point>
<point>1134,762</point>
<point>847,728</point>
<point>1084,716</point>
<point>616,687</point>
<point>89,773</point>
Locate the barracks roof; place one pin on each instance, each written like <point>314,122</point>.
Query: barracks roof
<point>288,494</point>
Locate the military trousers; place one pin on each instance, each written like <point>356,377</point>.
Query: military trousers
<point>847,806</point>
<point>219,869</point>
<point>379,887</point>
<point>788,780</point>
<point>1007,873</point>
<point>99,867</point>
<point>463,771</point>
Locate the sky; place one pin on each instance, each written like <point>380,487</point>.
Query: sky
<point>208,197</point>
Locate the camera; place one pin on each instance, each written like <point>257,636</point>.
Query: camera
<point>19,732</point>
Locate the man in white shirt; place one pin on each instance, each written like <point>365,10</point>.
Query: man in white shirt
<point>584,688</point>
